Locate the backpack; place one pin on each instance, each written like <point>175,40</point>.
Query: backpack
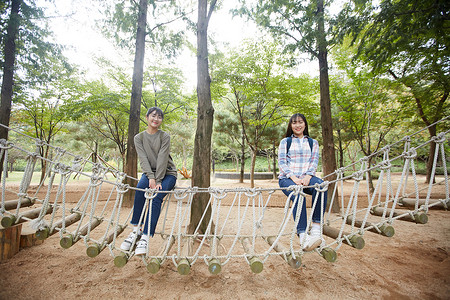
<point>289,142</point>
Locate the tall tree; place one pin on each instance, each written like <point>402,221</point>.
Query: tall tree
<point>410,42</point>
<point>136,95</point>
<point>201,169</point>
<point>131,19</point>
<point>302,26</point>
<point>9,50</point>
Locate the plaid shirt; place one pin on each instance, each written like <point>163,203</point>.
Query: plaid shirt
<point>300,160</point>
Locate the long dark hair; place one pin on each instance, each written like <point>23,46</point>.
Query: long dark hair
<point>294,117</point>
<point>157,110</point>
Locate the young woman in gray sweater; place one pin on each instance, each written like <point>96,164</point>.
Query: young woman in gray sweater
<point>159,172</point>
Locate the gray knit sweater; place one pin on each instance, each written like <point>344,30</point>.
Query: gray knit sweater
<point>153,151</point>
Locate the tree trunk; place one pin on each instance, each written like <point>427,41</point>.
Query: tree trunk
<point>201,169</point>
<point>241,177</point>
<point>341,150</point>
<point>328,154</point>
<point>274,160</point>
<point>8,70</point>
<point>252,170</point>
<point>432,130</point>
<point>135,103</point>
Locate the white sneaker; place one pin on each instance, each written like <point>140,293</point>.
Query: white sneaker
<point>141,247</point>
<point>132,237</point>
<point>311,242</point>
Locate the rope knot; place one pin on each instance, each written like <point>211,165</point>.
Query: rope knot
<point>358,176</point>
<point>322,187</point>
<point>385,164</point>
<point>439,139</point>
<point>4,144</point>
<point>412,153</point>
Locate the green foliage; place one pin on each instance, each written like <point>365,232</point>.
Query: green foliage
<point>164,23</point>
<point>409,41</point>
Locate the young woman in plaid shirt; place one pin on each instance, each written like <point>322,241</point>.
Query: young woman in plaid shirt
<point>298,164</point>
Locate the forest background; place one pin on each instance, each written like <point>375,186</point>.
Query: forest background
<point>382,73</point>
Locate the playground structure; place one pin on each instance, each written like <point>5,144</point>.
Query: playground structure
<point>236,229</point>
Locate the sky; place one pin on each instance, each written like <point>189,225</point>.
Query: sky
<point>73,22</point>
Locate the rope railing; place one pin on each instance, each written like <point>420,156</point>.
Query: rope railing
<point>237,226</point>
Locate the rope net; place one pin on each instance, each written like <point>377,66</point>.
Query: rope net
<point>237,227</point>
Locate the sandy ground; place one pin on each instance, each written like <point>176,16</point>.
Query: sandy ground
<point>413,264</point>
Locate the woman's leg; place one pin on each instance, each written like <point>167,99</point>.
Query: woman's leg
<point>301,226</point>
<point>139,200</point>
<point>167,184</point>
<point>318,212</point>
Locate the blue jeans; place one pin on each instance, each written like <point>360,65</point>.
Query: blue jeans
<point>316,217</point>
<point>167,184</point>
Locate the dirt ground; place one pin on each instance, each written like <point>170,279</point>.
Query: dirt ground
<point>413,264</point>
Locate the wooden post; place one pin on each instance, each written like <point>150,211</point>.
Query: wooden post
<point>279,247</point>
<point>255,263</point>
<point>356,241</point>
<point>420,217</point>
<point>28,238</point>
<point>155,263</point>
<point>386,230</point>
<point>9,241</point>
<point>184,266</point>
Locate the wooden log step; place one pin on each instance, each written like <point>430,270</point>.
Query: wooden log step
<point>45,233</point>
<point>68,240</point>
<point>279,247</point>
<point>386,230</point>
<point>12,204</point>
<point>356,241</point>
<point>28,237</point>
<point>155,263</point>
<point>184,265</point>
<point>30,214</point>
<point>255,262</point>
<point>9,241</point>
<point>411,202</point>
<point>214,265</point>
<point>420,217</point>
<point>94,249</point>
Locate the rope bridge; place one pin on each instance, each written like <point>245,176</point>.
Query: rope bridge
<point>238,226</point>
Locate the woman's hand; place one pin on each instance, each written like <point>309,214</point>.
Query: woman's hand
<point>303,181</point>
<point>158,186</point>
<point>152,183</point>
